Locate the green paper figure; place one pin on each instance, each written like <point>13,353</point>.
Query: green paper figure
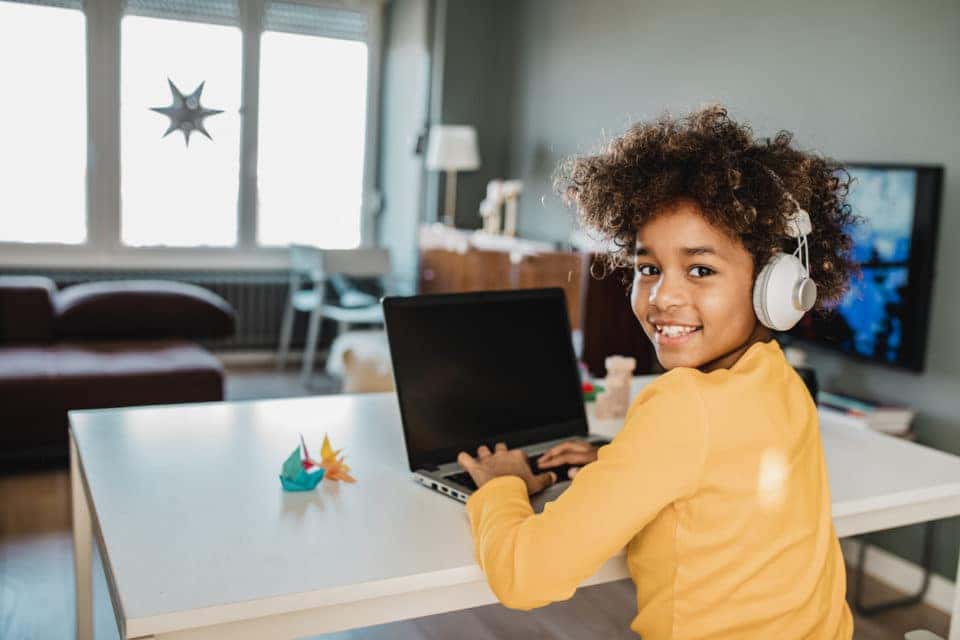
<point>300,474</point>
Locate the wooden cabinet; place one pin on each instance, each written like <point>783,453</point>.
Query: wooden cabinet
<point>453,261</point>
<point>460,261</point>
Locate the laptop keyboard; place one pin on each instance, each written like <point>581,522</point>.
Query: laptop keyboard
<point>463,478</point>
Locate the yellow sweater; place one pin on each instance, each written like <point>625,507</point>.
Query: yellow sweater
<point>717,487</point>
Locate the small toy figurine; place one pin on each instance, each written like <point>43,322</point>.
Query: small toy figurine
<point>490,207</point>
<point>301,473</point>
<point>510,191</point>
<point>614,400</point>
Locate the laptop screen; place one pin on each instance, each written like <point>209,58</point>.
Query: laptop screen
<point>480,368</point>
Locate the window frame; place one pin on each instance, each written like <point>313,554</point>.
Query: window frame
<point>103,247</point>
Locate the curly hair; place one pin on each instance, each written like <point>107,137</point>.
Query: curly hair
<point>741,184</point>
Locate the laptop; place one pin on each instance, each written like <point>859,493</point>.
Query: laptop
<point>480,368</point>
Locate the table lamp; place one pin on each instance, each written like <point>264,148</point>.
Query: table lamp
<point>452,148</point>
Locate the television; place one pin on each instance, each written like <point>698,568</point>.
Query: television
<point>885,314</point>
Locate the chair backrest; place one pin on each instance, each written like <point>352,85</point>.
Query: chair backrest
<point>317,263</point>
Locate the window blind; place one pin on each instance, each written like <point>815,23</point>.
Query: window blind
<point>63,4</point>
<point>225,12</point>
<point>311,20</point>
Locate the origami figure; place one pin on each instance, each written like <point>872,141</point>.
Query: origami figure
<point>302,473</point>
<point>333,466</point>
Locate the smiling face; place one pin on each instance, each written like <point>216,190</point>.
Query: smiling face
<point>692,290</point>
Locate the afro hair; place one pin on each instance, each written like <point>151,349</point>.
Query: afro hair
<point>742,184</point>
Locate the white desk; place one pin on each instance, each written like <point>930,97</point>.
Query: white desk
<point>199,541</point>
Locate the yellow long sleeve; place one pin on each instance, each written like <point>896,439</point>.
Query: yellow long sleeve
<point>532,560</point>
<point>716,486</point>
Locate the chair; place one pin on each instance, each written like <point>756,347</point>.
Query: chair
<point>317,266</point>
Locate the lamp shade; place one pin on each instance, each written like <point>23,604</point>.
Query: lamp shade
<point>452,148</point>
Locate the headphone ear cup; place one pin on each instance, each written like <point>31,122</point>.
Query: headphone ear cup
<point>760,295</point>
<point>775,292</point>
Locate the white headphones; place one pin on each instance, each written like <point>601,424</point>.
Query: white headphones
<point>783,291</point>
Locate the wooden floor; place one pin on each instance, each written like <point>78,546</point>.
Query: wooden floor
<point>37,592</point>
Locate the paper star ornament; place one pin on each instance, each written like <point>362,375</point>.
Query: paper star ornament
<point>186,113</point>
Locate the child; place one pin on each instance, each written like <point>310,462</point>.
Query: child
<point>717,484</point>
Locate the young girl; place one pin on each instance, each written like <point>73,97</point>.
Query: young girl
<point>717,484</point>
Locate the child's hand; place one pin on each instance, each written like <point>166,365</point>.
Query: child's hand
<point>571,452</point>
<point>503,462</point>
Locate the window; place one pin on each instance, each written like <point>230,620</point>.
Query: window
<point>44,118</point>
<point>313,97</point>
<point>174,193</point>
<point>86,159</point>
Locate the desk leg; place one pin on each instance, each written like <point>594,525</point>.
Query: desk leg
<point>915,598</point>
<point>82,548</point>
<point>955,614</point>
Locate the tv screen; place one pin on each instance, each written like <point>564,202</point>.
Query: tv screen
<point>884,316</point>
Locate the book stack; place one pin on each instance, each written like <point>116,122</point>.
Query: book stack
<point>892,419</point>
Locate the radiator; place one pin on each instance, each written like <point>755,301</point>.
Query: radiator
<point>258,297</point>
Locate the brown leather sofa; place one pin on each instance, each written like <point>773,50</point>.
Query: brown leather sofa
<point>99,345</point>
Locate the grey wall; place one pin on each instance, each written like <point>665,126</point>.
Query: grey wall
<point>477,86</point>
<point>406,77</point>
<point>872,81</point>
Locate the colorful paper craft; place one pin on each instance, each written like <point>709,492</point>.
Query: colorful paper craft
<point>302,473</point>
<point>299,472</point>
<point>335,468</point>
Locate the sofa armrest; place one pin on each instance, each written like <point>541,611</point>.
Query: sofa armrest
<point>26,309</point>
<point>141,309</point>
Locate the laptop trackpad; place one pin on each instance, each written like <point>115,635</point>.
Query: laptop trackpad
<point>541,499</point>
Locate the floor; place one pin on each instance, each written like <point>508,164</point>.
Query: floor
<point>37,592</point>
<point>253,382</point>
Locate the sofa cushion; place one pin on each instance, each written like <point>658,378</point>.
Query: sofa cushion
<point>142,309</point>
<point>26,309</point>
<point>39,385</point>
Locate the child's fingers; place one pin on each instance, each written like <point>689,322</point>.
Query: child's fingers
<point>569,445</point>
<point>568,457</point>
<point>466,460</point>
<point>483,451</point>
<point>564,460</point>
<point>542,481</point>
<point>501,446</point>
